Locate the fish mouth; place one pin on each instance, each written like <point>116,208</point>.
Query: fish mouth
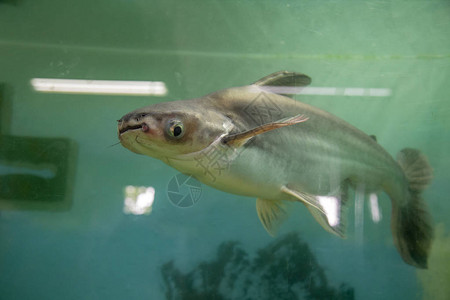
<point>130,127</point>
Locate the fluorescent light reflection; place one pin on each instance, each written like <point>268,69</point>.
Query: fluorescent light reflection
<point>38,171</point>
<point>359,213</point>
<point>331,207</point>
<point>106,87</point>
<point>138,200</point>
<point>329,91</point>
<point>375,208</point>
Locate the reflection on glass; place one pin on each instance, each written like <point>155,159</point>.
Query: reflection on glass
<point>36,172</point>
<point>138,200</point>
<point>284,269</point>
<point>331,207</point>
<point>108,87</point>
<point>46,173</point>
<point>329,91</point>
<point>359,213</point>
<point>375,208</point>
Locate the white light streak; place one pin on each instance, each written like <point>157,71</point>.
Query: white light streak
<point>375,208</point>
<point>359,213</point>
<point>329,91</point>
<point>105,87</point>
<point>331,207</point>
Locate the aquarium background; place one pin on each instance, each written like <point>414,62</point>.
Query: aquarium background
<point>64,231</point>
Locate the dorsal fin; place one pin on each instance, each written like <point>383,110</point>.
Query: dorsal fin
<point>284,78</point>
<point>373,137</point>
<point>284,82</point>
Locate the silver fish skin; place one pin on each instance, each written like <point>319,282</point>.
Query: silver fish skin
<point>253,142</point>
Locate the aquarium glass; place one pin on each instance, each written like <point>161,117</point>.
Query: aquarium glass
<point>82,217</point>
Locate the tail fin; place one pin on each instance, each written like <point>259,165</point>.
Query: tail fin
<point>411,222</point>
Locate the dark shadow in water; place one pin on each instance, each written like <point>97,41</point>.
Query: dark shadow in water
<point>10,2</point>
<point>5,108</point>
<point>35,172</point>
<point>285,269</point>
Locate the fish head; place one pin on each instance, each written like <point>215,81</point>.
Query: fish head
<point>171,129</point>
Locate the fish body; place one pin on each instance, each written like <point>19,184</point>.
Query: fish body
<point>315,155</point>
<point>253,142</point>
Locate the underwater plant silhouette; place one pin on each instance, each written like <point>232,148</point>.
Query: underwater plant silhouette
<point>285,269</point>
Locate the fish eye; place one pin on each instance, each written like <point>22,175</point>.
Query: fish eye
<point>175,129</point>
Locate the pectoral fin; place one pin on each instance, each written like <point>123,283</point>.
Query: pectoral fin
<point>239,139</point>
<point>327,210</point>
<point>271,213</point>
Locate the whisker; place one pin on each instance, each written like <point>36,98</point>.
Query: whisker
<point>113,145</point>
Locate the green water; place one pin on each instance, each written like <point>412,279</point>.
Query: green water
<point>63,230</point>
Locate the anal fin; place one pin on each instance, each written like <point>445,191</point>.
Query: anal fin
<point>327,210</point>
<point>271,214</point>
